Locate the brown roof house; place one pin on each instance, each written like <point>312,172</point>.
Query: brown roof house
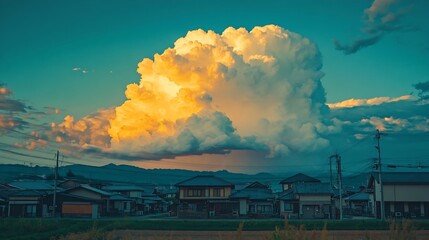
<point>305,197</point>
<point>206,196</point>
<point>102,198</point>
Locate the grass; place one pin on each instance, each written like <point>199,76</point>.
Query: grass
<point>35,229</point>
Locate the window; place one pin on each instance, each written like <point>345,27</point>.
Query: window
<point>30,211</point>
<point>195,192</point>
<point>252,209</point>
<point>288,206</point>
<point>218,192</point>
<point>265,208</point>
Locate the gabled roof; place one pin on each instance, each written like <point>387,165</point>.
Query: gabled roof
<point>204,181</point>
<point>31,185</point>
<point>119,197</point>
<point>360,196</point>
<point>415,178</point>
<point>299,177</point>
<point>27,193</point>
<point>253,194</point>
<point>91,189</point>
<point>75,198</point>
<point>254,191</point>
<point>257,185</point>
<point>312,188</point>
<point>287,195</point>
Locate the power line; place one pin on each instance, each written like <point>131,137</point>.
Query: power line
<point>354,145</point>
<point>24,155</point>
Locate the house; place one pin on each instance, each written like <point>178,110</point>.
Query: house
<point>69,205</point>
<point>154,204</point>
<point>27,203</point>
<point>255,200</point>
<point>130,191</point>
<point>305,197</point>
<point>134,195</point>
<point>120,205</point>
<point>168,193</point>
<point>358,204</point>
<point>26,198</point>
<point>99,195</point>
<point>289,182</point>
<point>406,194</point>
<point>5,191</point>
<point>206,196</point>
<point>3,203</point>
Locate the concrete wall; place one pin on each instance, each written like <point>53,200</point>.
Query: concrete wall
<point>402,193</point>
<point>406,193</point>
<point>315,198</point>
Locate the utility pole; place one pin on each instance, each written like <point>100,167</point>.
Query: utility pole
<point>330,172</point>
<point>377,136</point>
<point>54,202</point>
<point>340,181</point>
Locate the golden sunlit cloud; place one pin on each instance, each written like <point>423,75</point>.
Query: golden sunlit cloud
<point>212,93</point>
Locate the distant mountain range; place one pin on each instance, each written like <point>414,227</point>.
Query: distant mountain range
<point>131,174</point>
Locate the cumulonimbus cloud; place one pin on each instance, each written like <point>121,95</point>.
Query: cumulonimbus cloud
<point>212,93</point>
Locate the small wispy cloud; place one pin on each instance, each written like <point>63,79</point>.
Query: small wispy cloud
<point>382,17</point>
<point>349,103</point>
<point>7,103</point>
<point>423,88</point>
<point>78,69</point>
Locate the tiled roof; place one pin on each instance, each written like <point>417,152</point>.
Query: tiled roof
<point>403,177</point>
<point>204,181</point>
<point>299,177</point>
<point>31,185</point>
<point>253,194</point>
<point>361,196</point>
<point>257,185</point>
<point>254,191</point>
<point>119,197</point>
<point>287,195</point>
<point>27,193</point>
<point>92,189</point>
<point>72,198</point>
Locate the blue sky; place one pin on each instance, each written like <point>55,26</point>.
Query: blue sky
<point>79,56</point>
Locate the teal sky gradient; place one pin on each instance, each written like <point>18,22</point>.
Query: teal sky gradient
<point>42,42</point>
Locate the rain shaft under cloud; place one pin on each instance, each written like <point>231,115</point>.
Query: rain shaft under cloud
<point>212,93</point>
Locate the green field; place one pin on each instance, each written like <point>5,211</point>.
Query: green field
<point>34,229</point>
